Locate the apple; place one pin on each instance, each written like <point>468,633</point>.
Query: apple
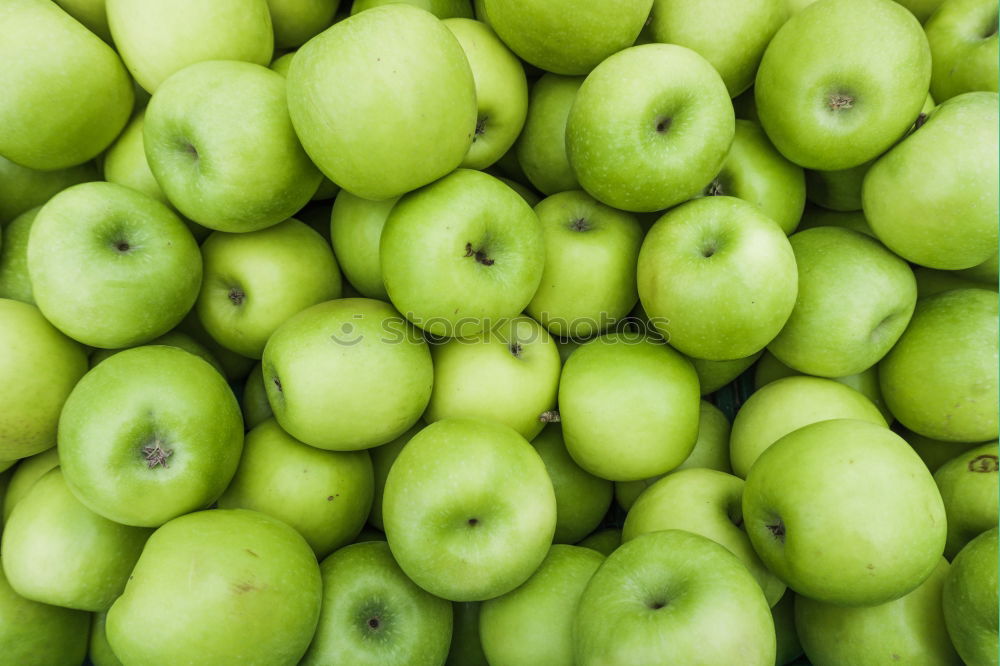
<point>940,379</point>
<point>62,104</point>
<point>501,91</point>
<point>984,273</point>
<point>933,452</point>
<point>355,231</point>
<point>384,101</point>
<point>582,499</point>
<point>844,512</point>
<point>15,283</point>
<point>922,9</point>
<point>33,392</point>
<point>629,407</point>
<point>963,38</point>
<point>717,277</point>
<point>222,585</point>
<point>969,487</point>
<point>562,36</point>
<point>282,64</point>
<point>713,375</point>
<point>755,171</point>
<point>538,615</point>
<point>604,541</point>
<point>59,552</point>
<point>588,283</point>
<point>649,128</point>
<point>908,630</point>
<point>382,459</point>
<point>208,113</point>
<point>783,614</point>
<point>24,477</point>
<point>443,9</point>
<point>125,161</point>
<point>541,146</point>
<point>172,338</point>
<point>931,281</point>
<point>253,403</point>
<point>235,367</point>
<point>99,651</point>
<point>462,254</point>
<point>111,267</point>
<point>730,34</point>
<point>466,648</point>
<point>842,81</point>
<point>156,38</point>
<point>373,614</point>
<point>296,21</point>
<point>970,600</point>
<point>661,598</point>
<point>933,198</point>
<point>814,216</point>
<point>837,190</point>
<point>91,13</point>
<point>469,510</point>
<point>855,299</point>
<point>150,434</point>
<point>347,374</point>
<point>22,189</point>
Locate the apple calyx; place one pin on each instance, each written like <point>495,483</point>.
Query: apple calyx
<point>480,255</point>
<point>714,189</point>
<point>579,224</point>
<point>551,416</point>
<point>516,349</point>
<point>777,529</point>
<point>841,101</point>
<point>480,127</point>
<point>156,455</point>
<point>236,295</point>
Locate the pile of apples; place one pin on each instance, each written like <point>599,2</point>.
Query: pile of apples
<point>397,332</point>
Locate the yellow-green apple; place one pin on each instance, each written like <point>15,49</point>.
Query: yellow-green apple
<point>603,541</point>
<point>39,368</point>
<point>933,199</point>
<point>34,633</point>
<point>970,601</point>
<point>256,409</point>
<point>59,552</point>
<point>347,374</point>
<point>373,614</point>
<point>462,254</point>
<point>844,512</point>
<point>253,282</point>
<point>64,103</point>
<point>717,277</point>
<point>469,510</point>
<point>22,189</point>
<point>533,624</point>
<point>660,599</point>
<point>297,21</point>
<point>922,9</point>
<point>15,283</point>
<point>99,650</point>
<point>963,38</point>
<point>855,299</point>
<point>837,190</point>
<point>443,9</point>
<point>713,375</point>
<point>221,585</point>
<point>325,495</point>
<point>27,473</point>
<point>383,101</point>
<point>125,161</point>
<point>787,638</point>
<point>355,232</point>
<point>150,434</point>
<point>382,459</point>
<point>842,81</point>
<point>940,380</point>
<point>282,63</point>
<point>159,37</point>
<point>649,128</point>
<point>541,147</point>
<point>969,487</point>
<point>91,13</point>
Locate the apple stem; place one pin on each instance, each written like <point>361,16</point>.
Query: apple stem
<point>478,254</point>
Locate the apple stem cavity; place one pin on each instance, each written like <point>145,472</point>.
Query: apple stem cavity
<point>551,416</point>
<point>374,623</point>
<point>480,128</point>
<point>480,255</point>
<point>656,605</point>
<point>473,522</point>
<point>841,101</point>
<point>156,455</point>
<point>663,124</point>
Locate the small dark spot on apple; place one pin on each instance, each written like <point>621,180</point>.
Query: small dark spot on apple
<point>871,567</point>
<point>122,246</point>
<point>277,383</point>
<point>253,554</point>
<point>374,623</point>
<point>472,522</point>
<point>243,588</point>
<point>516,349</point>
<point>663,124</point>
<point>984,464</point>
<point>919,122</point>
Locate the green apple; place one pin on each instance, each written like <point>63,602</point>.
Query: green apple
<point>713,375</point>
<point>355,231</point>
<point>325,495</point>
<point>705,502</point>
<point>149,434</point>
<point>125,161</point>
<point>842,81</point>
<point>39,368</point>
<point>469,510</point>
<point>22,189</point>
<point>15,282</point>
<point>855,299</point>
<point>64,103</point>
<point>443,9</point>
<point>837,190</point>
<point>501,91</point>
<point>159,37</point>
<point>99,651</point>
<point>582,499</point>
<point>34,633</point>
<point>604,541</point>
<point>661,599</point>
<point>730,34</point>
<point>970,601</point>
<point>922,9</point>
<point>538,615</point>
<point>91,13</point>
<point>649,128</point>
<point>282,64</point>
<point>629,407</point>
<point>461,254</point>
<point>783,614</point>
<point>931,281</point>
<point>969,487</point>
<point>563,37</point>
<point>814,216</point>
<point>466,648</point>
<point>222,585</point>
<point>588,282</point>
<point>933,452</point>
<point>111,267</point>
<point>382,459</point>
<point>297,21</point>
<point>373,614</point>
<point>253,282</point>
<point>347,374</point>
<point>717,277</point>
<point>933,199</point>
<point>384,101</point>
<point>59,552</point>
<point>985,273</point>
<point>755,171</point>
<point>907,630</point>
<point>940,379</point>
<point>256,409</point>
<point>196,130</point>
<point>844,512</point>
<point>522,364</point>
<point>541,147</point>
<point>963,38</point>
<point>24,477</point>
